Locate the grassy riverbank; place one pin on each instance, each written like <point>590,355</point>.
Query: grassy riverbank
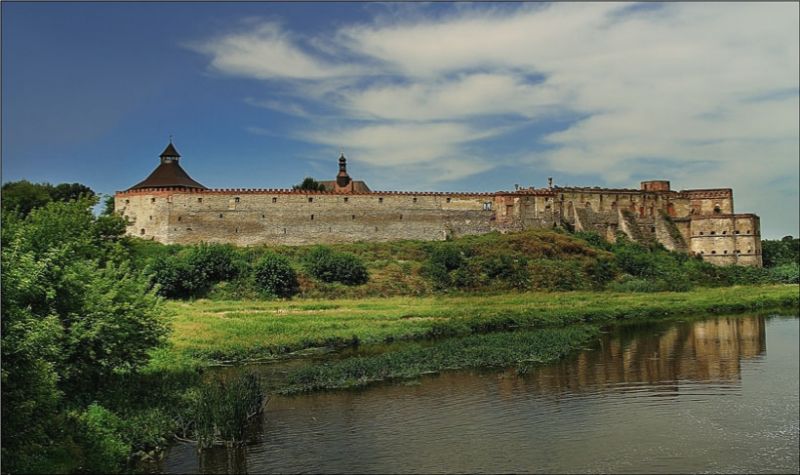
<point>234,331</point>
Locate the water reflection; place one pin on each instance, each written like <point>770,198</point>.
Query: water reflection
<point>656,354</point>
<point>671,397</point>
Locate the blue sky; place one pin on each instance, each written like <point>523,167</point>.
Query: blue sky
<point>419,96</point>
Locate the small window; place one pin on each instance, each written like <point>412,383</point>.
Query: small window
<point>312,217</point>
<point>151,218</point>
<point>263,216</point>
<point>401,217</point>
<point>749,249</point>
<point>376,228</point>
<point>220,215</point>
<point>448,200</point>
<point>725,251</point>
<point>736,232</point>
<point>236,200</point>
<point>142,231</point>
<point>702,252</point>
<point>414,200</point>
<point>487,206</point>
<point>236,230</point>
<point>274,200</point>
<point>346,199</point>
<point>310,200</point>
<point>724,232</point>
<point>353,217</point>
<point>152,200</point>
<point>380,200</point>
<point>199,200</point>
<point>188,229</point>
<point>713,232</point>
<point>127,202</point>
<point>652,229</point>
<point>701,233</point>
<point>179,218</point>
<point>713,252</point>
<point>748,231</point>
<point>284,230</point>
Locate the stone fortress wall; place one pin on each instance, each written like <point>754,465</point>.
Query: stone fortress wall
<point>700,222</point>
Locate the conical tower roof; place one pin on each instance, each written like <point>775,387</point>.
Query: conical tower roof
<point>168,174</point>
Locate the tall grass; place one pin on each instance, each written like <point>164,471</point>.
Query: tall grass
<point>233,331</point>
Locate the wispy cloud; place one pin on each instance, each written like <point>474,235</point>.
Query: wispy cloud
<point>679,84</point>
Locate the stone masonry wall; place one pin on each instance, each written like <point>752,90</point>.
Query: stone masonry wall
<point>704,218</point>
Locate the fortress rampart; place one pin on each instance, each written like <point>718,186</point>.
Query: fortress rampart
<point>169,208</point>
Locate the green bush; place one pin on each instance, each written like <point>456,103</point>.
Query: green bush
<point>215,262</point>
<point>329,266</point>
<point>175,277</point>
<point>97,431</point>
<point>779,252</point>
<point>785,274</point>
<point>274,274</point>
<point>511,269</point>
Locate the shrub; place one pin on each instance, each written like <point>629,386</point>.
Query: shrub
<point>97,432</point>
<point>274,274</point>
<point>513,270</point>
<point>785,274</point>
<point>175,277</point>
<point>448,256</point>
<point>216,262</point>
<point>329,266</point>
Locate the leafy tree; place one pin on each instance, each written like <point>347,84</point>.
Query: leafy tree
<point>780,252</point>
<point>309,184</point>
<point>23,196</point>
<point>73,314</point>
<point>274,274</point>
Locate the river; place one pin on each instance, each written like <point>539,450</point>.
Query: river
<point>711,395</point>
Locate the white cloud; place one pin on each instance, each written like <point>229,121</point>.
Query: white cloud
<point>692,85</point>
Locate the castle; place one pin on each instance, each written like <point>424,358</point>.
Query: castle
<point>170,207</point>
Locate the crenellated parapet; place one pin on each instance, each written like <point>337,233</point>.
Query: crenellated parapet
<point>170,207</point>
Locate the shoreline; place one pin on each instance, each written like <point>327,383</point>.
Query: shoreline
<point>237,332</point>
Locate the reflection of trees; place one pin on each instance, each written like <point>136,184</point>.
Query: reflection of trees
<point>709,350</point>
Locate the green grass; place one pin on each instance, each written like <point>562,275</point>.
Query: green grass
<point>520,349</point>
<point>235,331</point>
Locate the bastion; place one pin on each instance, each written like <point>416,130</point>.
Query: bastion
<point>170,207</point>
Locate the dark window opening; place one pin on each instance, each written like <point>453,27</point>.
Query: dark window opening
<point>312,217</point>
<point>380,200</point>
<point>311,200</point>
<point>179,218</point>
<point>701,233</point>
<point>736,232</point>
<point>713,252</point>
<point>284,230</point>
<point>152,200</point>
<point>127,202</point>
<point>274,200</point>
<point>724,232</point>
<point>220,215</point>
<point>401,217</point>
<point>346,199</point>
<point>725,251</point>
<point>263,216</point>
<point>414,199</point>
<point>151,218</point>
<point>236,200</point>
<point>199,200</point>
<point>142,231</point>
<point>448,200</point>
<point>713,232</point>
<point>353,217</point>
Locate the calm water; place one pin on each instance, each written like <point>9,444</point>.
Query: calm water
<point>717,395</point>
